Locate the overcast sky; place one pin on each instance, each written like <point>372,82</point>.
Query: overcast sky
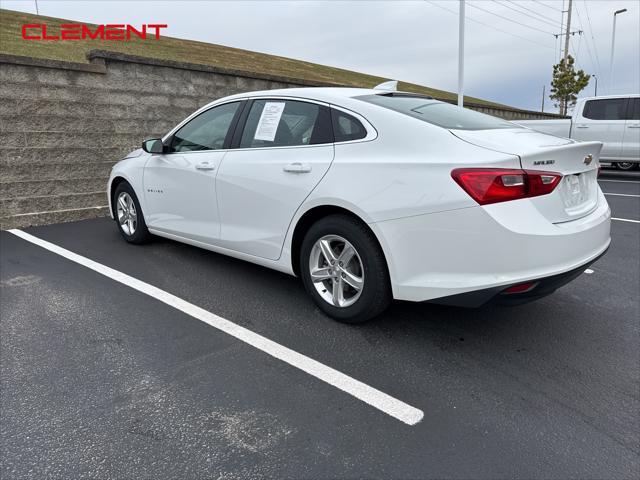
<point>510,47</point>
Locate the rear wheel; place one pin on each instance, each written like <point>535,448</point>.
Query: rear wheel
<point>344,270</point>
<point>128,215</point>
<point>626,165</point>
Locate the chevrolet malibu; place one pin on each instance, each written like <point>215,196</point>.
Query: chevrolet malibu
<point>371,195</point>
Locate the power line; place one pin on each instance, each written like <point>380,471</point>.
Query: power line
<point>593,40</point>
<point>562,12</point>
<point>528,15</point>
<point>509,19</point>
<point>489,26</point>
<point>576,52</point>
<point>593,64</point>
<point>553,20</point>
<point>548,6</point>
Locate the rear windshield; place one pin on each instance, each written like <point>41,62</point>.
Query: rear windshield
<point>438,113</point>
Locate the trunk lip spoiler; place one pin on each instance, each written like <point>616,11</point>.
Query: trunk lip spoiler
<point>540,149</point>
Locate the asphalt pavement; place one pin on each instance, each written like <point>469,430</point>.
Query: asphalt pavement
<point>102,381</point>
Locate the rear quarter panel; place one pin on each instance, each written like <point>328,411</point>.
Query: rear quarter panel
<point>405,171</point>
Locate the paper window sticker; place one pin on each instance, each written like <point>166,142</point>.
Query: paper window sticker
<point>269,120</point>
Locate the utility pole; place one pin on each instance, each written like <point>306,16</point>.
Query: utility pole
<point>461,55</point>
<point>543,91</point>
<point>563,102</point>
<point>595,93</point>
<point>566,39</point>
<point>567,35</point>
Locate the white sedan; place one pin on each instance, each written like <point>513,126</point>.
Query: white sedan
<point>371,195</point>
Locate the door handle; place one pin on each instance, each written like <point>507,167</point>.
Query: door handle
<point>582,126</point>
<point>297,167</point>
<point>634,126</point>
<point>205,166</point>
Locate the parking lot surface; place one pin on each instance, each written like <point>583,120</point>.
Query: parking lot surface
<point>102,381</point>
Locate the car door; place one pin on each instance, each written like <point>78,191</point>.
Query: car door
<point>631,140</point>
<point>283,151</point>
<point>179,185</point>
<point>603,120</point>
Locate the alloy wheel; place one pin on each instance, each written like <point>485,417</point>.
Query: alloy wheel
<point>127,216</point>
<point>336,271</point>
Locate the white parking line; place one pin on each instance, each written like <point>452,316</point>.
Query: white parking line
<point>617,181</point>
<point>625,220</point>
<point>621,194</point>
<point>377,399</point>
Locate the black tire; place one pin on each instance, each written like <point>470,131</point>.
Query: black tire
<point>141,233</point>
<point>626,166</point>
<point>375,296</point>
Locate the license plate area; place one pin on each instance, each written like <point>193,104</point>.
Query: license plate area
<point>578,192</point>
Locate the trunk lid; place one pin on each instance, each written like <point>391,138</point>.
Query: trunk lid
<point>578,162</point>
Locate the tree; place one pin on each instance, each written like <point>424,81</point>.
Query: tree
<point>566,84</point>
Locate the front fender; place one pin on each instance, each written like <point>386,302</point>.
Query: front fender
<point>130,169</point>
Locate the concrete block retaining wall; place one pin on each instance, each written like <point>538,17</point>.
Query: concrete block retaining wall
<point>63,125</point>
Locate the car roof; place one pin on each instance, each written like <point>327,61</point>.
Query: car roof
<point>339,96</point>
<point>324,94</point>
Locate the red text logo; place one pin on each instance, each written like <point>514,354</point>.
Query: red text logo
<point>80,31</point>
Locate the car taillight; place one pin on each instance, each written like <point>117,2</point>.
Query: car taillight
<point>493,185</point>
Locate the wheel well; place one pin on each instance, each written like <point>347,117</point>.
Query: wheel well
<point>307,220</point>
<point>114,185</point>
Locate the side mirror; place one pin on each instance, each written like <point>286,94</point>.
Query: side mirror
<point>153,145</point>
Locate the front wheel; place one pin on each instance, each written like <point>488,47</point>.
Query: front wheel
<point>128,215</point>
<point>626,166</point>
<point>344,270</point>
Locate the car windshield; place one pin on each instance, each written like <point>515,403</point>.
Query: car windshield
<point>438,113</point>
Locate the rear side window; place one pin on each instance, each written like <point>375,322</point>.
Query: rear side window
<point>605,109</point>
<point>286,123</point>
<point>346,127</point>
<point>438,113</point>
<point>207,131</point>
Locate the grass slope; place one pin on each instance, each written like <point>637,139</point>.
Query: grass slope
<point>168,48</point>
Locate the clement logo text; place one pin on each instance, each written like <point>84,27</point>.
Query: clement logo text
<point>80,31</point>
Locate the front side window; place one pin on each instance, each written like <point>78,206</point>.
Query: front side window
<point>605,109</point>
<point>285,123</point>
<point>207,131</point>
<point>438,113</point>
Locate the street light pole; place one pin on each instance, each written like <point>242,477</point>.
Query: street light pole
<point>461,55</point>
<point>595,94</point>
<point>613,43</point>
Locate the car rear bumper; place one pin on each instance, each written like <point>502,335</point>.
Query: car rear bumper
<point>541,287</point>
<point>483,250</point>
